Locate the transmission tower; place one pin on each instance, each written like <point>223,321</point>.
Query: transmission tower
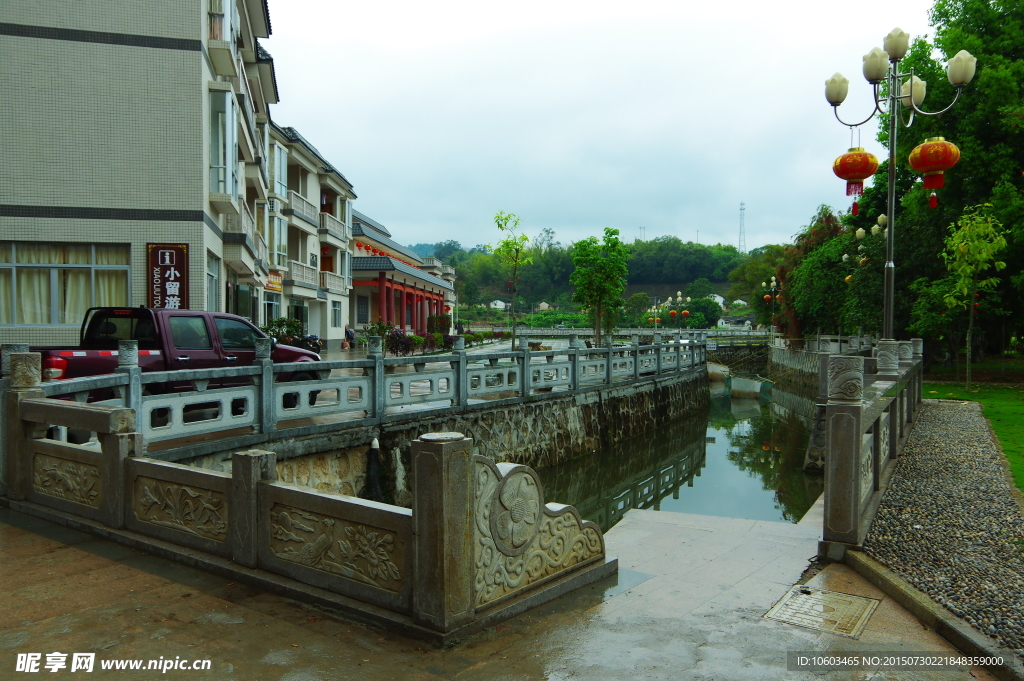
<point>743,233</point>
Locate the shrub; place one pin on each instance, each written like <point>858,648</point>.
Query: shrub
<point>417,342</point>
<point>400,344</point>
<point>282,328</point>
<point>448,341</point>
<point>430,342</point>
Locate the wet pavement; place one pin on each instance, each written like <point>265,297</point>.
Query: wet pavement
<point>687,604</point>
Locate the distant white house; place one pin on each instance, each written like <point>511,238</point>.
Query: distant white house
<point>498,305</point>
<point>717,298</point>
<point>740,303</point>
<point>543,306</point>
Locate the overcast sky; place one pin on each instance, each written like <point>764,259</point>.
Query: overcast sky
<point>582,115</point>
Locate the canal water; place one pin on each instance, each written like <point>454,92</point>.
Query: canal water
<point>739,458</point>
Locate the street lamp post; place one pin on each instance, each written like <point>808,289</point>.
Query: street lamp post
<point>882,65</point>
<point>774,288</point>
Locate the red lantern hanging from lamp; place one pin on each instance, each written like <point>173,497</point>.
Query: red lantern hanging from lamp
<point>767,298</point>
<point>672,314</point>
<point>855,166</point>
<point>686,313</point>
<point>932,159</point>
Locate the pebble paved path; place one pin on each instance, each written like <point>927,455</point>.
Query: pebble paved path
<point>949,523</point>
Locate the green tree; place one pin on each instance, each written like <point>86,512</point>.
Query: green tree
<point>444,250</point>
<point>971,250</point>
<point>599,275</point>
<point>635,307</point>
<point>700,288</point>
<point>706,308</point>
<point>511,252</point>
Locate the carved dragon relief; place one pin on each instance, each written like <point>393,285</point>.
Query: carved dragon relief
<point>63,479</point>
<point>365,554</point>
<point>195,510</point>
<point>518,539</point>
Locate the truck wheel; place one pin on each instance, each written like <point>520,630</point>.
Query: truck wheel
<point>291,399</point>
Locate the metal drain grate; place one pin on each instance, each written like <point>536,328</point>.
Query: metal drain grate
<point>830,611</point>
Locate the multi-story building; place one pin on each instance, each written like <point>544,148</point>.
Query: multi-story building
<point>392,283</point>
<point>308,224</point>
<point>132,159</point>
<point>140,166</point>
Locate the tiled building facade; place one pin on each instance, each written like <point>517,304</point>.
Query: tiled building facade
<point>137,136</point>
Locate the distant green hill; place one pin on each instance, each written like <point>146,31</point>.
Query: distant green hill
<point>422,250</point>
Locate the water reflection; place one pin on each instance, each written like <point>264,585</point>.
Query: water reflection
<point>738,459</point>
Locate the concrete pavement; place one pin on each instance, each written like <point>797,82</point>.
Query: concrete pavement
<point>688,604</point>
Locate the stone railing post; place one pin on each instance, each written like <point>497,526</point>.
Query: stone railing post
<point>25,383</point>
<point>888,360</point>
<point>442,517</point>
<point>461,369</point>
<point>375,353</point>
<point>248,468</point>
<point>523,359</point>
<point>905,352</point>
<point>918,347</point>
<point>265,383</point>
<point>5,371</point>
<point>844,488</point>
<point>609,360</point>
<point>128,363</point>
<point>679,351</point>
<point>6,350</point>
<point>574,368</point>
<point>574,340</point>
<point>657,353</point>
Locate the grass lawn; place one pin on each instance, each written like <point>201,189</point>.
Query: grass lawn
<point>1004,409</point>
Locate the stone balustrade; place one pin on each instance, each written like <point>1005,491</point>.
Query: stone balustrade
<point>479,545</point>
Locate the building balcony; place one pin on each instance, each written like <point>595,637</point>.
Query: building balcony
<point>222,57</point>
<point>301,280</point>
<point>431,261</point>
<point>332,226</point>
<point>335,283</point>
<point>300,208</point>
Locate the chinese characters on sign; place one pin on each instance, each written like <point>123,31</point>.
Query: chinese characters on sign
<point>275,282</point>
<point>168,276</point>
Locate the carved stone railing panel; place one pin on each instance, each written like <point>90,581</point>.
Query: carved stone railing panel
<point>65,479</point>
<point>845,378</point>
<point>351,546</point>
<point>180,504</point>
<point>519,540</point>
<point>363,553</point>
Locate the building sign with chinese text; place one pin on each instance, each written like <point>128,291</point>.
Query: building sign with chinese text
<point>167,276</point>
<point>275,281</point>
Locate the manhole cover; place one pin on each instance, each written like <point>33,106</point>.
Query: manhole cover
<point>831,611</point>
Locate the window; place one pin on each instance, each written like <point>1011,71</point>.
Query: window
<point>212,282</point>
<point>235,335</point>
<point>190,333</point>
<point>223,143</point>
<point>271,306</point>
<point>55,283</point>
<point>278,242</point>
<point>223,20</point>
<point>362,310</point>
<point>279,170</point>
<point>336,314</point>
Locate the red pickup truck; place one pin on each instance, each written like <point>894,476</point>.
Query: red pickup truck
<point>168,340</point>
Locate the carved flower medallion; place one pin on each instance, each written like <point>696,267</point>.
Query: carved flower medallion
<point>515,512</point>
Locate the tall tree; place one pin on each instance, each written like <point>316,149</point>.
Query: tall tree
<point>511,251</point>
<point>600,276</point>
<point>971,250</point>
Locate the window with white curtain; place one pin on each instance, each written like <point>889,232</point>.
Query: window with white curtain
<point>212,282</point>
<point>55,283</point>
<point>336,314</point>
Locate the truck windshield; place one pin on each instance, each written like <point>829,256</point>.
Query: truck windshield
<point>105,327</point>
